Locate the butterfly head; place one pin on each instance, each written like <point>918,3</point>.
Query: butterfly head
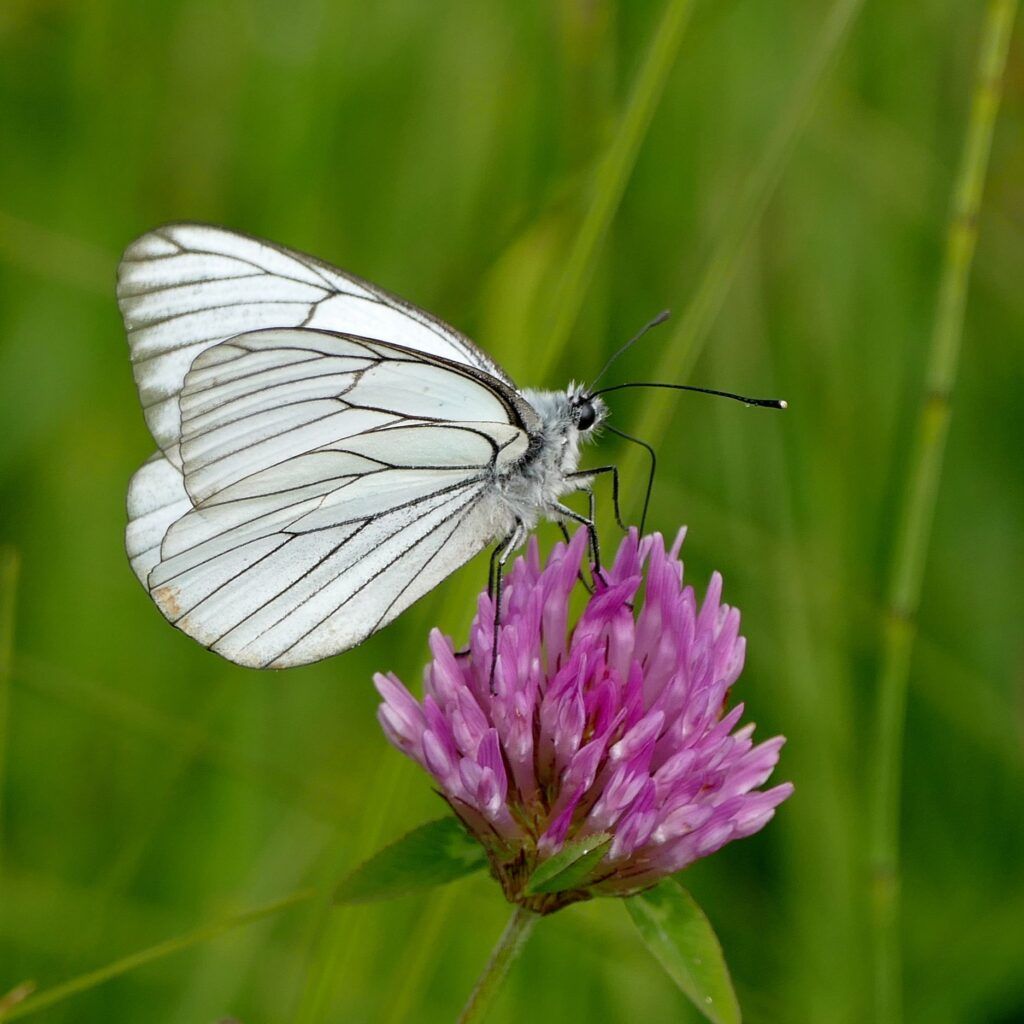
<point>566,418</point>
<point>588,411</point>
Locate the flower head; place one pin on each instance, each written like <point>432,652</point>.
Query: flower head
<point>616,729</point>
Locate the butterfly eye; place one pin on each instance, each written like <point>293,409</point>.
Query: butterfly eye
<point>585,416</point>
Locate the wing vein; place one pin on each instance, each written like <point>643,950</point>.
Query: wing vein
<point>366,582</point>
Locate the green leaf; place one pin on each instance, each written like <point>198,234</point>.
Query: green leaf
<point>570,866</point>
<point>433,854</point>
<point>681,937</point>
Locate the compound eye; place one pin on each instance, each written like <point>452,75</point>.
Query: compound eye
<point>586,417</point>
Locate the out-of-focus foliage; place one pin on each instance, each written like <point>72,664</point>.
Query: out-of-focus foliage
<point>448,151</point>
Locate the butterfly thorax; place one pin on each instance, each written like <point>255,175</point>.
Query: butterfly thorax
<point>545,474</point>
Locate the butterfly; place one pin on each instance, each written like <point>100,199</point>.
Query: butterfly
<point>328,453</point>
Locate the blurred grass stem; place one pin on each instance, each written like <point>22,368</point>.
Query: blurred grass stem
<point>9,566</point>
<point>8,589</point>
<point>205,933</point>
<point>339,937</point>
<point>917,513</point>
<point>681,350</point>
<point>613,173</point>
<point>512,940</point>
<point>421,956</point>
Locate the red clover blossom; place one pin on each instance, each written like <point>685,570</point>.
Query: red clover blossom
<point>616,729</point>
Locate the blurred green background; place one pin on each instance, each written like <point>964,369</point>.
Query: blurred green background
<point>789,200</point>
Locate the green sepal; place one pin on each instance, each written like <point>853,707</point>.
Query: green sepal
<point>436,853</point>
<point>570,867</point>
<point>680,936</point>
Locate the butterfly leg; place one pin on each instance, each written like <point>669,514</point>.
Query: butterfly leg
<point>595,547</point>
<point>499,557</point>
<point>492,567</point>
<point>579,575</point>
<point>585,476</point>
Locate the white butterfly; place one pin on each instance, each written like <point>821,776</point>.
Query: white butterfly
<point>328,452</point>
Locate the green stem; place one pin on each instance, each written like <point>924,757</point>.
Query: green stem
<point>917,513</point>
<point>512,940</point>
<point>205,933</point>
<point>8,589</point>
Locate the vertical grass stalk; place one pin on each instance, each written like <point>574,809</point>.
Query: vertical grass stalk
<point>421,960</point>
<point>677,356</point>
<point>338,936</point>
<point>8,588</point>
<point>917,513</point>
<point>614,171</point>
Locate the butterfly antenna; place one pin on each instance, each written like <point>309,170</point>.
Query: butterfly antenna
<point>650,475</point>
<point>659,319</point>
<point>765,403</point>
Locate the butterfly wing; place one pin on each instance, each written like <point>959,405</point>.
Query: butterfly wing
<point>186,287</point>
<point>156,499</point>
<point>326,483</point>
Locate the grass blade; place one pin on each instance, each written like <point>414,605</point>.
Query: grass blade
<point>420,962</point>
<point>680,352</point>
<point>917,512</point>
<point>327,960</point>
<point>91,979</point>
<point>9,566</point>
<point>613,174</point>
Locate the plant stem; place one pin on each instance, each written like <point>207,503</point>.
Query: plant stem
<point>8,588</point>
<point>512,940</point>
<point>48,997</point>
<point>917,513</point>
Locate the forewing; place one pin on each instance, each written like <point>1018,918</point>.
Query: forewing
<point>332,481</point>
<point>261,400</point>
<point>186,287</point>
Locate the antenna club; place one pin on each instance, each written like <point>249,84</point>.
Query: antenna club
<point>762,403</point>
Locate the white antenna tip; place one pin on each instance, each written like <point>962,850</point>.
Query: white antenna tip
<point>783,404</point>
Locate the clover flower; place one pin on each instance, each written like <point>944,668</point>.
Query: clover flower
<point>612,736</point>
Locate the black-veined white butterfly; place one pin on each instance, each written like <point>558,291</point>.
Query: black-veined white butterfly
<point>327,452</point>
